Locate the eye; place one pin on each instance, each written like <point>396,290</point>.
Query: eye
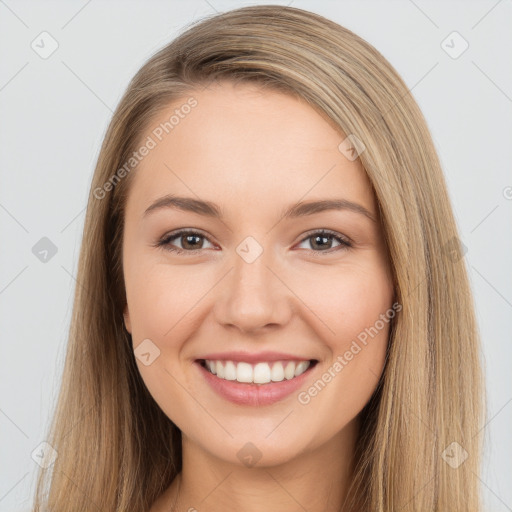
<point>190,241</point>
<point>323,240</point>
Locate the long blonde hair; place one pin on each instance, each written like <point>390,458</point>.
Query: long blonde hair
<point>116,449</point>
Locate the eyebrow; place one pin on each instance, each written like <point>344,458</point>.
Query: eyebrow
<point>300,209</point>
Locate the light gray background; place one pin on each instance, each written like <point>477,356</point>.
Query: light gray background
<point>54,113</point>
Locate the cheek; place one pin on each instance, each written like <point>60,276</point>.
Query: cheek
<point>347,301</point>
<point>163,308</point>
<point>163,300</point>
<point>357,308</point>
<point>354,310</point>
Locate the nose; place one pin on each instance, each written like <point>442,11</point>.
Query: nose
<point>253,296</point>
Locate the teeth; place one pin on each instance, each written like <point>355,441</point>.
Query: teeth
<point>244,372</point>
<point>277,373</point>
<point>219,369</point>
<point>260,373</point>
<point>301,368</point>
<point>289,371</point>
<point>230,371</point>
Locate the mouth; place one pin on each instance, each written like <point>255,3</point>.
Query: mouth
<point>255,384</point>
<point>260,374</point>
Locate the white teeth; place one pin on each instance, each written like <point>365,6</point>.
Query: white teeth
<point>277,373</point>
<point>244,372</point>
<point>260,373</point>
<point>220,370</point>
<point>230,371</point>
<point>301,368</point>
<point>289,371</point>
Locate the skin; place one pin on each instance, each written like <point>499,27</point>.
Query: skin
<point>254,153</point>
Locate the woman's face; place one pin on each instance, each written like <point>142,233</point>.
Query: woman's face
<point>252,284</point>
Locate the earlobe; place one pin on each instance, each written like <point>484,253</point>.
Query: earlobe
<point>126,316</point>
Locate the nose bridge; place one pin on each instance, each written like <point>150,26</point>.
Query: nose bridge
<point>254,297</point>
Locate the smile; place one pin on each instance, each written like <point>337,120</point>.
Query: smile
<point>255,384</point>
<point>259,373</point>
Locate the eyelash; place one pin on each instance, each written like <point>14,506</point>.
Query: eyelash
<point>164,243</point>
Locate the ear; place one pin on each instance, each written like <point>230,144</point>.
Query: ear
<point>127,323</point>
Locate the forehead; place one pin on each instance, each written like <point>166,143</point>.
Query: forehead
<point>240,142</point>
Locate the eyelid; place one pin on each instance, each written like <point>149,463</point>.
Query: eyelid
<point>164,242</point>
<point>324,231</point>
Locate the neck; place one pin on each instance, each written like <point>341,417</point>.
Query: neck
<point>315,480</point>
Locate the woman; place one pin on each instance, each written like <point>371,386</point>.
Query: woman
<point>220,356</point>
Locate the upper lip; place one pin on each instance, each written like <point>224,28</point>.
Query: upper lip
<point>259,357</point>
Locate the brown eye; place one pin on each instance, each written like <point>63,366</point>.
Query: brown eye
<point>190,241</point>
<point>322,241</point>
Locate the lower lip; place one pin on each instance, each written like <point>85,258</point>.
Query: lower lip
<point>254,394</point>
